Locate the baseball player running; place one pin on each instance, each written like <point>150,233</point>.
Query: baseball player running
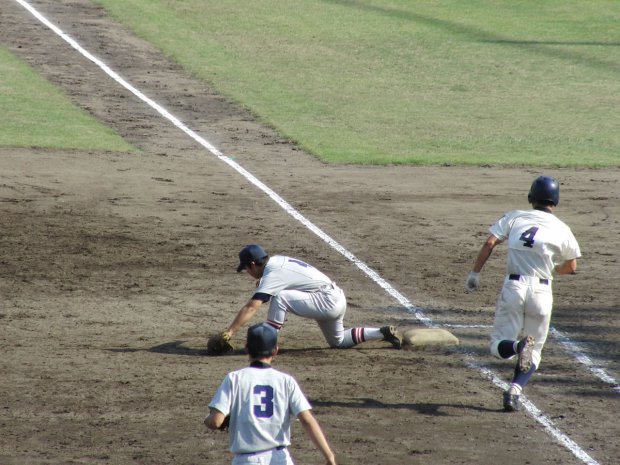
<point>539,244</point>
<point>256,404</point>
<point>294,286</point>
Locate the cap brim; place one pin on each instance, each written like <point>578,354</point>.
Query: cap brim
<point>241,267</point>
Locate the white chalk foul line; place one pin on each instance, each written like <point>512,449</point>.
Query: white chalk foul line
<point>463,326</point>
<point>584,359</point>
<point>572,347</point>
<point>535,412</point>
<point>416,311</point>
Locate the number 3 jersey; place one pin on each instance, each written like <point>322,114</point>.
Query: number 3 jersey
<point>261,402</point>
<point>537,241</point>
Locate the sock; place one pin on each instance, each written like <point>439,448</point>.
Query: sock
<point>373,334</point>
<point>355,336</point>
<point>507,349</point>
<point>515,389</point>
<point>521,378</point>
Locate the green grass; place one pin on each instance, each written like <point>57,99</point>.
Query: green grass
<point>408,82</point>
<point>36,114</point>
<point>476,82</point>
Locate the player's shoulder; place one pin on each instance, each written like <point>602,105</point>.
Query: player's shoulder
<point>236,374</point>
<point>560,226</point>
<point>283,375</point>
<point>277,260</point>
<point>548,220</point>
<point>243,372</point>
<point>518,213</point>
<point>509,217</point>
<point>530,215</point>
<point>278,372</point>
<point>275,263</point>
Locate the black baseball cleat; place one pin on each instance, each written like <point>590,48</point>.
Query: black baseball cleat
<point>511,402</point>
<point>391,335</point>
<point>525,347</point>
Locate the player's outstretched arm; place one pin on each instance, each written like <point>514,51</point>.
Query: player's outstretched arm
<point>485,252</point>
<point>313,429</point>
<point>472,283</point>
<point>244,315</point>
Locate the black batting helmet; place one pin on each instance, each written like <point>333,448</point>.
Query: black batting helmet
<point>544,190</point>
<point>262,339</point>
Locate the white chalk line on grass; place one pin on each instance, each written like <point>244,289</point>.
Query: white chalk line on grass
<point>416,311</point>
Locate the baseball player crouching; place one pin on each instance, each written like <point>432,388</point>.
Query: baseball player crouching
<point>256,404</point>
<point>293,286</point>
<point>539,244</point>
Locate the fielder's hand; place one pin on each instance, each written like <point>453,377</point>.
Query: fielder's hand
<point>472,283</point>
<point>219,344</point>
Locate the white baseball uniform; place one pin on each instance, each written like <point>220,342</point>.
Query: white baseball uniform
<point>297,287</point>
<point>261,402</point>
<point>537,241</point>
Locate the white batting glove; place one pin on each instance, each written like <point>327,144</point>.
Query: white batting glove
<point>472,283</point>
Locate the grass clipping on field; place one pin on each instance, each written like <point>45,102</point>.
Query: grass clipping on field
<point>422,338</point>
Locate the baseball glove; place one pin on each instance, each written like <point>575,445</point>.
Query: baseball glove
<point>219,344</point>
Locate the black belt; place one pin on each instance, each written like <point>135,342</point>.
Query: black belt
<point>261,451</point>
<point>516,277</point>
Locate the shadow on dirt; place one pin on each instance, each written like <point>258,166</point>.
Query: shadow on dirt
<point>422,408</point>
<point>174,348</point>
<point>179,348</point>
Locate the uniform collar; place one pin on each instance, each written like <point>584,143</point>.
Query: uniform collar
<point>259,364</point>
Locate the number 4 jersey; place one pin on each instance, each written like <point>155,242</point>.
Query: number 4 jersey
<point>537,241</point>
<point>261,402</point>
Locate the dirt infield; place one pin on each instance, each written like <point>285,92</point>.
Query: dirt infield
<point>116,266</point>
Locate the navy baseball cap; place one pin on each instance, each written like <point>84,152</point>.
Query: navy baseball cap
<point>262,339</point>
<point>251,253</point>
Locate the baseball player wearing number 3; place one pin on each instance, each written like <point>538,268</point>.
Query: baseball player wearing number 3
<point>258,402</point>
<point>539,244</point>
<point>293,286</point>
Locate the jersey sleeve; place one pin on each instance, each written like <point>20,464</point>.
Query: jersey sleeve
<point>261,296</point>
<point>271,284</point>
<point>297,400</point>
<point>222,400</point>
<point>501,228</point>
<point>571,248</point>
